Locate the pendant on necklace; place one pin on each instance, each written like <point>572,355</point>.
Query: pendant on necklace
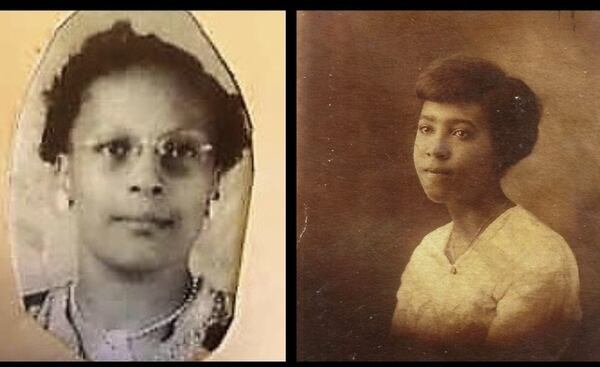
<point>453,269</point>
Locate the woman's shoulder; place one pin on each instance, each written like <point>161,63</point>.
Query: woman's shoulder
<point>533,242</point>
<point>208,316</point>
<point>523,226</point>
<point>220,317</point>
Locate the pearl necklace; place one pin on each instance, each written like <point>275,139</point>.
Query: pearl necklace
<point>119,342</point>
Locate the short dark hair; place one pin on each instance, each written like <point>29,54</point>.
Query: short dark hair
<point>512,108</point>
<point>120,48</point>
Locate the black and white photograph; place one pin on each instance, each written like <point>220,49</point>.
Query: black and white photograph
<point>130,182</point>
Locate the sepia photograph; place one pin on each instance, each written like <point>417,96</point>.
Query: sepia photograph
<point>130,184</point>
<point>448,202</point>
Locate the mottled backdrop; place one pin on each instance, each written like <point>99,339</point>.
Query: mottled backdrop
<point>361,211</point>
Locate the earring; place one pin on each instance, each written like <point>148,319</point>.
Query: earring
<point>207,209</point>
<point>216,182</point>
<point>63,202</point>
<point>206,218</point>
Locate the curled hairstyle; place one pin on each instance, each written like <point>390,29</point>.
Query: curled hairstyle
<point>120,48</point>
<point>512,109</point>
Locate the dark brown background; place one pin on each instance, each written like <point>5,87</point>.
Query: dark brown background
<point>360,209</point>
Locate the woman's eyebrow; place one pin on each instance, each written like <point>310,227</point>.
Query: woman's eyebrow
<point>111,137</point>
<point>198,133</point>
<point>101,139</point>
<point>463,121</point>
<point>184,129</point>
<point>427,117</point>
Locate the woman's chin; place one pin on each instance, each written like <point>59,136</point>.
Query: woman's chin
<point>134,264</point>
<point>135,267</point>
<point>437,196</point>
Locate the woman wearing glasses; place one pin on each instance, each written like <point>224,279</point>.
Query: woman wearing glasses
<point>140,134</point>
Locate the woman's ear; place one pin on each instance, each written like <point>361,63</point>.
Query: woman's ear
<point>64,179</point>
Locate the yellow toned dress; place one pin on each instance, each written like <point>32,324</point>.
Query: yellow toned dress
<point>515,292</point>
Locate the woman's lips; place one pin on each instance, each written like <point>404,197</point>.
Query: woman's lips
<point>438,171</point>
<point>144,221</point>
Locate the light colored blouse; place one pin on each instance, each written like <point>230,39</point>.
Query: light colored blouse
<point>515,291</point>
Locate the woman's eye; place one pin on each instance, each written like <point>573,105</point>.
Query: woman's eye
<point>182,157</point>
<point>425,129</point>
<point>179,150</point>
<point>117,149</point>
<point>460,133</point>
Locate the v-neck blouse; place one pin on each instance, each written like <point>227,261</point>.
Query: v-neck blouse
<point>517,284</point>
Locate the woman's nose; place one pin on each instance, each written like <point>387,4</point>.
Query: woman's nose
<point>145,177</point>
<point>439,149</point>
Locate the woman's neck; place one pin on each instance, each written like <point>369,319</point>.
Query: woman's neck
<point>112,299</point>
<point>471,217</point>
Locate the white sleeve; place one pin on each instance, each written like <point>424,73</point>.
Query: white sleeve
<point>536,316</point>
<point>403,316</point>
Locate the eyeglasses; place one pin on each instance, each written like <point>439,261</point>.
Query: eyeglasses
<point>178,152</point>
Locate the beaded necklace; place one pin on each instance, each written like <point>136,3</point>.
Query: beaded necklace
<point>118,344</point>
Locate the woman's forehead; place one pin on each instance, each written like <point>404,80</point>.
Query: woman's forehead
<point>453,113</point>
<point>140,101</point>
